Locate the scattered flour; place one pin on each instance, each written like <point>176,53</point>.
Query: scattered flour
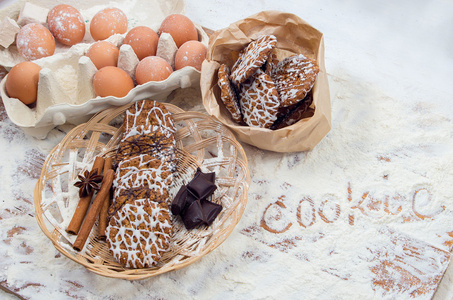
<point>307,221</point>
<point>371,200</point>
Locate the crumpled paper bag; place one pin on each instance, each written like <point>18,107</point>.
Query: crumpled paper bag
<point>293,36</point>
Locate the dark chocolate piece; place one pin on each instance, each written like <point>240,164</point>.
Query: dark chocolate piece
<point>193,215</point>
<point>182,200</point>
<point>208,176</point>
<point>191,204</point>
<point>179,202</point>
<point>190,198</point>
<point>211,211</point>
<point>201,186</point>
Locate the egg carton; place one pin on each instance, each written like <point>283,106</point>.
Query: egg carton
<point>65,90</point>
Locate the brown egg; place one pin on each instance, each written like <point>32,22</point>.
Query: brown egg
<point>112,81</point>
<point>22,82</point>
<point>152,68</point>
<point>103,54</point>
<point>180,28</point>
<point>66,24</point>
<point>35,41</point>
<point>143,40</point>
<point>192,54</point>
<point>107,22</point>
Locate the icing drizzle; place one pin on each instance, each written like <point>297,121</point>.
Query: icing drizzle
<point>139,233</point>
<point>294,77</point>
<point>142,171</point>
<point>146,117</point>
<point>252,58</point>
<point>259,100</point>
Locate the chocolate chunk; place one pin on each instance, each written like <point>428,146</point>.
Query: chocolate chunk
<point>200,212</point>
<point>182,200</point>
<point>189,199</point>
<point>179,202</point>
<point>208,176</point>
<point>211,211</point>
<point>201,185</point>
<point>191,204</point>
<point>193,215</point>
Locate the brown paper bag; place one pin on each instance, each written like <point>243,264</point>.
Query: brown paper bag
<point>293,36</point>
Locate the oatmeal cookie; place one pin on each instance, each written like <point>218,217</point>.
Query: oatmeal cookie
<point>155,144</point>
<point>271,63</point>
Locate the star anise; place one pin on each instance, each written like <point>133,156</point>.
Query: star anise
<point>88,183</point>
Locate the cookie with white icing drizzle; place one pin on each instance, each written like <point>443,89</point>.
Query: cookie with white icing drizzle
<point>227,93</point>
<point>294,77</point>
<point>271,63</point>
<point>148,128</point>
<point>252,58</point>
<point>139,233</point>
<point>130,195</point>
<point>259,100</point>
<point>156,144</point>
<point>143,171</point>
<point>145,117</point>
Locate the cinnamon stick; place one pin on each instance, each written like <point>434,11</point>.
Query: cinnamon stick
<point>84,202</point>
<point>103,215</point>
<point>94,211</point>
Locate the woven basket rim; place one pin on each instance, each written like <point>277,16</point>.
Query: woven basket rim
<point>98,124</point>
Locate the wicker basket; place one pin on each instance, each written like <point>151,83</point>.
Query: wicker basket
<point>202,142</point>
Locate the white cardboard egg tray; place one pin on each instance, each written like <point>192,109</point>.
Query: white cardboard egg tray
<point>65,91</point>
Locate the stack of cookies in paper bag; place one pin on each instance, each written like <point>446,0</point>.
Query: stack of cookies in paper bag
<point>265,78</point>
<point>262,91</point>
